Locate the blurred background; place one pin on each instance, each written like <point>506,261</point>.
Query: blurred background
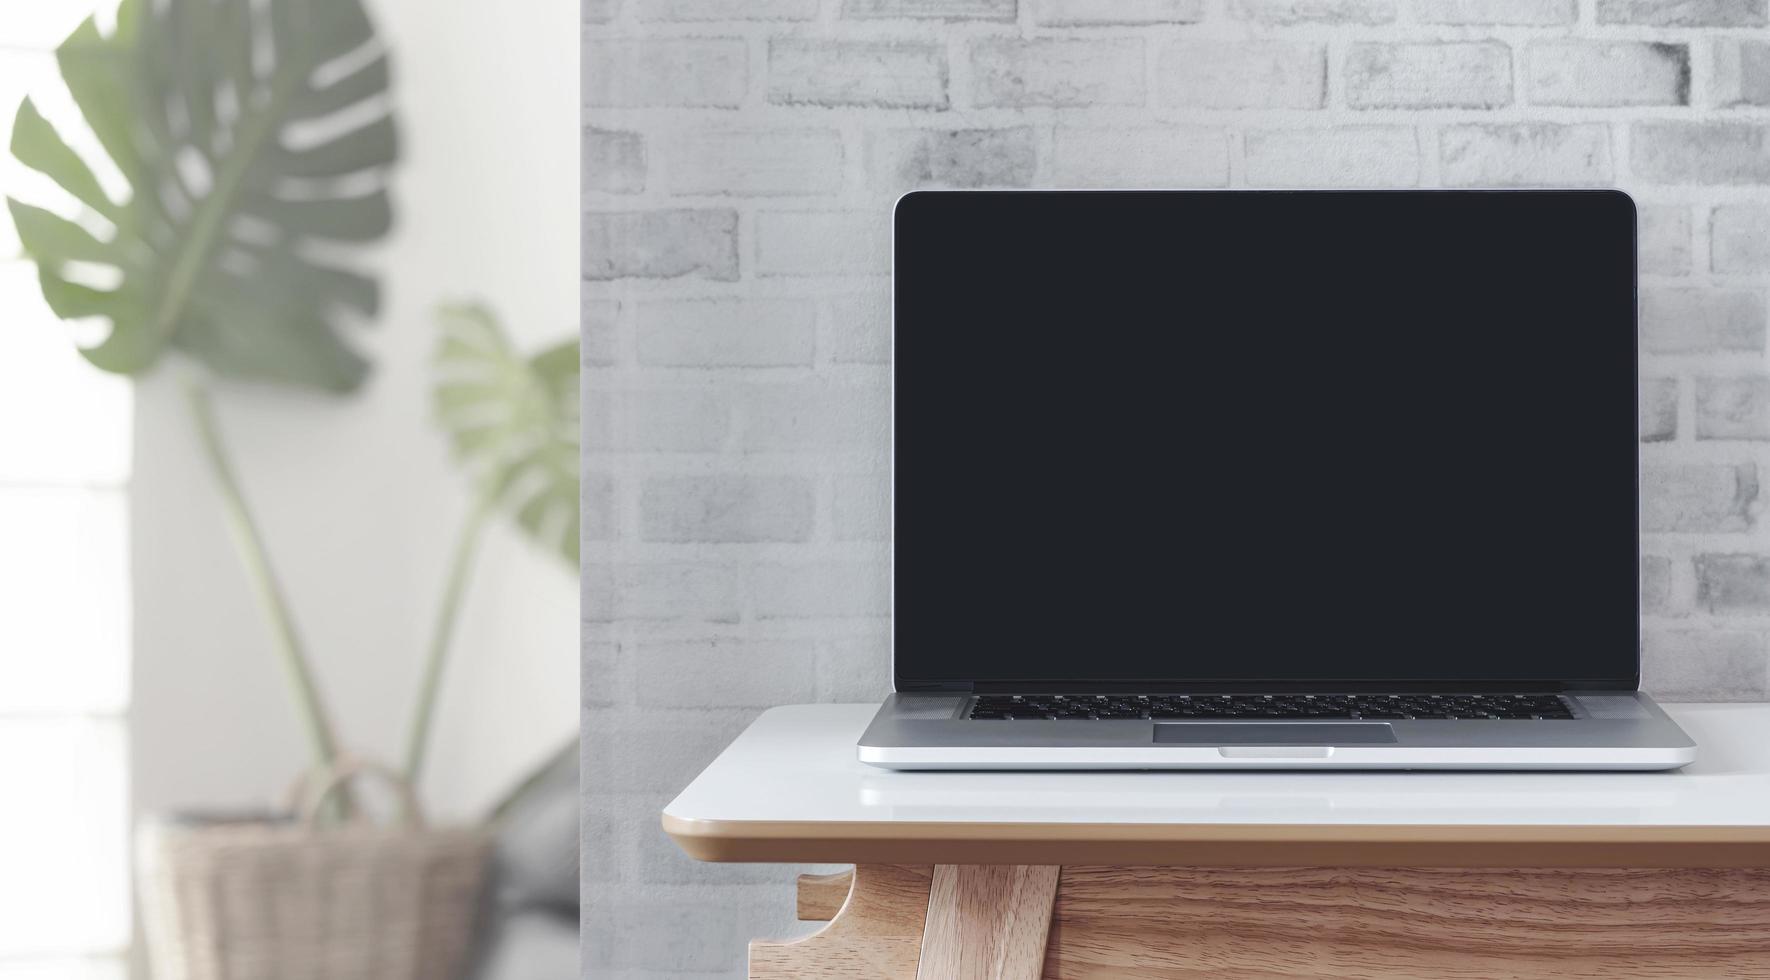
<point>137,673</point>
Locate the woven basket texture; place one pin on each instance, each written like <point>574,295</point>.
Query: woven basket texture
<point>282,901</point>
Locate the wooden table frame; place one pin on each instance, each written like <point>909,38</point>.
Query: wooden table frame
<point>1023,922</point>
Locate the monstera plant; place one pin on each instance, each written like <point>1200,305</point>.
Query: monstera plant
<point>253,141</point>
<point>513,422</point>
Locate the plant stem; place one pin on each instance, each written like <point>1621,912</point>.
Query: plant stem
<point>264,581</point>
<point>443,632</point>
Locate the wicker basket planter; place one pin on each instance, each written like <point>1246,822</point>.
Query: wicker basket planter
<point>272,899</point>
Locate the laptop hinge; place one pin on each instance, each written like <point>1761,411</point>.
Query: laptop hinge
<point>938,687</point>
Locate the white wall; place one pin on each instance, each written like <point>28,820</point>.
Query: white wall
<point>740,162</point>
<point>357,496</point>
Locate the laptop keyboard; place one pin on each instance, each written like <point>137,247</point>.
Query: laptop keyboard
<point>1265,707</point>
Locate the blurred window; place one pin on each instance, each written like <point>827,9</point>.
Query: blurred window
<point>64,589</point>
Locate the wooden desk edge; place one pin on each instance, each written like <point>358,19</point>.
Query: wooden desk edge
<point>1222,845</point>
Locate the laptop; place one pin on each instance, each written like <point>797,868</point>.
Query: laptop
<point>1256,480</point>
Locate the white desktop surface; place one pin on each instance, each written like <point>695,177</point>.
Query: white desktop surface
<point>796,766</point>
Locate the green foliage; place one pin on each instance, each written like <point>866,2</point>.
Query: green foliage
<point>513,421</point>
<point>252,139</point>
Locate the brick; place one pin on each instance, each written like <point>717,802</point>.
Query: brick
<point>1527,13</point>
<point>1526,155</point>
<point>1733,585</point>
<point>1664,239</point>
<point>1683,13</point>
<point>1314,11</point>
<point>757,162</point>
<point>703,10</point>
<point>931,9</point>
<point>1656,585</point>
<point>1740,239</point>
<point>1704,665</point>
<point>657,752</point>
<point>1015,72</point>
<point>854,668</point>
<point>1702,153</point>
<point>601,858</point>
<point>599,323</point>
<point>726,508</point>
<point>1684,321</point>
<point>1698,497</point>
<point>1347,156</point>
<point>596,508</point>
<point>1742,73</point>
<point>860,507</point>
<point>1733,408</point>
<point>1469,75</point>
<point>597,11</point>
<point>1169,156</point>
<point>613,162</point>
<point>1251,75</point>
<point>826,243</point>
<point>1658,409</point>
<point>1619,73</point>
<point>666,244</point>
<point>641,937</point>
<point>858,328</point>
<point>731,332</point>
<point>887,74</point>
<point>611,592</point>
<point>659,420</point>
<point>598,669</point>
<point>728,673</point>
<point>825,590</point>
<point>695,72</point>
<point>812,417</point>
<point>1081,13</point>
<point>902,159</point>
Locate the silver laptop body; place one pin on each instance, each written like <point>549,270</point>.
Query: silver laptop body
<point>1266,480</point>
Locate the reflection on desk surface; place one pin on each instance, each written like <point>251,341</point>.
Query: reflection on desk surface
<point>798,764</point>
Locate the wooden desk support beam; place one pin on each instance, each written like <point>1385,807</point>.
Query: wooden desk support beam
<point>877,933</point>
<point>969,922</point>
<point>821,896</point>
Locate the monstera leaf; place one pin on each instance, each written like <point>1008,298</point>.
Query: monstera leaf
<point>253,138</point>
<point>514,421</point>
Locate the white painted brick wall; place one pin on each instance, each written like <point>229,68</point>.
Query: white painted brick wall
<point>1683,13</point>
<point>1257,74</point>
<point>1463,75</point>
<point>1346,156</point>
<point>895,74</point>
<point>740,160</point>
<point>1617,73</point>
<point>756,162</point>
<point>1742,72</point>
<point>1539,13</point>
<point>1527,155</point>
<point>1048,71</point>
<point>1088,156</point>
<point>1081,13</point>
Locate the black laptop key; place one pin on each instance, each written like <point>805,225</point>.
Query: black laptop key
<point>1301,707</point>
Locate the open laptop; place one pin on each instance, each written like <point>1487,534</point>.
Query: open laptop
<point>1266,480</point>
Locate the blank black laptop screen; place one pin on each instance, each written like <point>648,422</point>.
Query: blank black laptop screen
<point>1272,441</point>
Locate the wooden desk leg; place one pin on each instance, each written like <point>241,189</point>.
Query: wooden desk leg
<point>821,896</point>
<point>877,934</point>
<point>988,922</point>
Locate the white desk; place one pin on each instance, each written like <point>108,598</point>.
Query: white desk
<point>1430,874</point>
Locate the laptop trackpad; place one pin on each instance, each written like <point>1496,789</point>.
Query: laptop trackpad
<point>1283,733</point>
